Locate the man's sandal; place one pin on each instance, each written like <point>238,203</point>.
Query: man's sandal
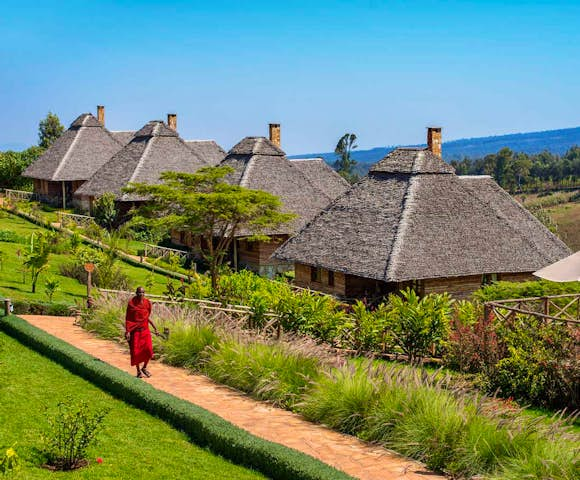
<point>139,375</point>
<point>146,372</point>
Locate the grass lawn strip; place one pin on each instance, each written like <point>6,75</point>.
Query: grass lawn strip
<point>132,443</point>
<point>203,427</point>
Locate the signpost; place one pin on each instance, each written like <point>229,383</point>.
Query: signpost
<point>89,268</point>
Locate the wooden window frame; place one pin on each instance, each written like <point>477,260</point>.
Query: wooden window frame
<point>316,274</point>
<point>331,278</point>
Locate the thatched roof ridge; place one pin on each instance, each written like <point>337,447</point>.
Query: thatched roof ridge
<point>411,160</point>
<point>411,219</point>
<point>260,165</point>
<point>154,149</point>
<point>209,150</point>
<point>123,136</point>
<point>77,154</point>
<point>322,175</point>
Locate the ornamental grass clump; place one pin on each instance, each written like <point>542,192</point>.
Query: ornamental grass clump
<point>342,399</point>
<point>277,372</point>
<point>187,344</point>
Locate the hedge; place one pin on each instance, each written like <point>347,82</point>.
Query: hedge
<point>203,427</point>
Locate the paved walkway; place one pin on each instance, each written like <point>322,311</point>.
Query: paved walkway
<point>343,452</point>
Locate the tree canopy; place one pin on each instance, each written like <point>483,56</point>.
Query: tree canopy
<point>344,163</point>
<point>49,129</point>
<point>520,171</point>
<point>210,208</point>
<point>12,164</point>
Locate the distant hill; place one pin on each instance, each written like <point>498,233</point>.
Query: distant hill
<point>555,141</point>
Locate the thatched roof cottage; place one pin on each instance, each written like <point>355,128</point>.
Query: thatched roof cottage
<point>413,222</point>
<point>304,187</point>
<point>73,158</point>
<point>154,149</point>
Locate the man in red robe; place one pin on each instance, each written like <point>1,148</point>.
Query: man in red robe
<point>137,331</point>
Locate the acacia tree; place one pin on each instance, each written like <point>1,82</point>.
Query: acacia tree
<point>345,163</point>
<point>204,204</point>
<point>49,129</point>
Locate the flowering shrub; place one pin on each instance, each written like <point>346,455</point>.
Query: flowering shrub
<point>10,461</point>
<point>71,429</point>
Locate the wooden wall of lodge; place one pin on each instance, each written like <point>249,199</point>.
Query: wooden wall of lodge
<point>54,189</point>
<point>352,286</point>
<point>250,254</point>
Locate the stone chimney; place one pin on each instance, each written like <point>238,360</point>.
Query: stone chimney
<point>434,140</point>
<point>172,121</point>
<point>101,114</point>
<point>275,134</point>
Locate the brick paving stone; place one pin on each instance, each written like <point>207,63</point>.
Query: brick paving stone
<point>344,452</point>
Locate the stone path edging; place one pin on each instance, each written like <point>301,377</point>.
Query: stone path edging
<point>344,452</point>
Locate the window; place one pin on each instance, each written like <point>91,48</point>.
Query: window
<point>330,278</point>
<point>315,274</point>
<point>488,278</point>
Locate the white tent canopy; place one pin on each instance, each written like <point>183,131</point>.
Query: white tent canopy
<point>565,270</point>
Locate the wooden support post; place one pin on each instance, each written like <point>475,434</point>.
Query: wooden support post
<point>7,306</point>
<point>63,196</point>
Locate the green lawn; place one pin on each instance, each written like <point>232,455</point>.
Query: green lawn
<point>11,275</point>
<point>132,444</point>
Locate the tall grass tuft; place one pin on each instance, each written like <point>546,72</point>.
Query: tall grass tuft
<point>278,372</point>
<point>342,399</point>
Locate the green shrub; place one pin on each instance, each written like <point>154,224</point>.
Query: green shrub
<point>541,365</point>
<point>9,461</point>
<point>537,288</point>
<point>25,307</point>
<point>12,237</point>
<point>419,324</point>
<point>71,429</point>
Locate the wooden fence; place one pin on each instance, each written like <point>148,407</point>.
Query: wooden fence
<point>555,308</point>
<point>72,218</point>
<point>160,252</point>
<point>243,315</point>
<point>19,195</point>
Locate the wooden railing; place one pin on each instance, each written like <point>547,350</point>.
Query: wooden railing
<point>80,220</point>
<point>216,311</point>
<point>555,308</point>
<point>19,195</point>
<point>160,252</point>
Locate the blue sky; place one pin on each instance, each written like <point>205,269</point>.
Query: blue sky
<point>381,69</point>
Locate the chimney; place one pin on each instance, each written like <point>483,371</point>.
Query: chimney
<point>172,121</point>
<point>434,140</point>
<point>101,114</point>
<point>275,134</point>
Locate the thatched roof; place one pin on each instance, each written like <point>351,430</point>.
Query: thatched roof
<point>413,218</point>
<point>77,154</point>
<point>154,149</point>
<point>322,176</point>
<point>123,136</point>
<point>261,165</point>
<point>209,150</point>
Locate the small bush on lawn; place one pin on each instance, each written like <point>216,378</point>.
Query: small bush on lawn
<point>71,429</point>
<point>12,237</point>
<point>9,461</point>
